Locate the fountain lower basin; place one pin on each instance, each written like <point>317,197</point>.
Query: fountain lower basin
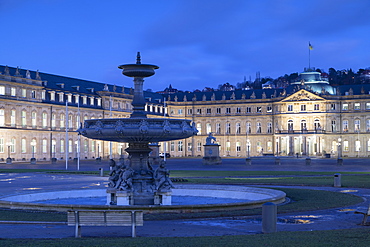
<point>247,197</point>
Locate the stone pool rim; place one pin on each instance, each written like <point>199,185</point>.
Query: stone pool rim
<point>225,191</point>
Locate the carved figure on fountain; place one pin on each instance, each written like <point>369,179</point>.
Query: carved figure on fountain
<point>161,179</point>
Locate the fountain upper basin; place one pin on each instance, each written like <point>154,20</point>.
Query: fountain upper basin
<point>137,129</point>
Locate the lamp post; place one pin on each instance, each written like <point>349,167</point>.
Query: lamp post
<point>33,144</point>
<point>53,144</point>
<point>78,154</point>
<point>9,159</point>
<point>339,160</point>
<point>248,147</point>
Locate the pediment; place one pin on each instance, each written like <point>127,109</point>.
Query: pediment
<point>303,95</point>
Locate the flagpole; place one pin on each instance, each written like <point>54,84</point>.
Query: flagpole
<point>164,146</point>
<point>78,137</point>
<point>110,115</point>
<point>66,142</point>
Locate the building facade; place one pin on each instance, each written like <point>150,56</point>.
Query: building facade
<point>40,113</point>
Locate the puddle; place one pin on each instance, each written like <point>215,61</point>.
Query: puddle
<point>31,188</point>
<point>346,210</point>
<point>348,191</point>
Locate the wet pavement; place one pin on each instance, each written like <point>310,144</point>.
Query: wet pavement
<point>338,218</point>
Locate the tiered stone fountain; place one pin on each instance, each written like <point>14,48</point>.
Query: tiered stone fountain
<point>136,183</point>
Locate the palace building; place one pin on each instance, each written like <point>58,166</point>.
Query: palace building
<point>40,113</point>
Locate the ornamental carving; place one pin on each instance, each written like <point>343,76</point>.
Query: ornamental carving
<point>303,95</point>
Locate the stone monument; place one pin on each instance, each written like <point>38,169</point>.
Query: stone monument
<point>211,151</point>
<point>133,181</point>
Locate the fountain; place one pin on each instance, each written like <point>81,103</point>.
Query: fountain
<point>136,183</point>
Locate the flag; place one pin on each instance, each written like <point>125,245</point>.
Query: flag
<point>310,46</point>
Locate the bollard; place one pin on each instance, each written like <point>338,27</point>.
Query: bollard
<point>339,161</point>
<point>277,161</point>
<point>101,172</point>
<point>337,180</point>
<point>308,161</point>
<point>248,161</point>
<point>269,217</point>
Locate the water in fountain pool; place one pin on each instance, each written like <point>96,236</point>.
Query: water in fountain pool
<point>176,200</point>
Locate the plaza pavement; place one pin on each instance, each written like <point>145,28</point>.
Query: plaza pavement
<point>339,218</point>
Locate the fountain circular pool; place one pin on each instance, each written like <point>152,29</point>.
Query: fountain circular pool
<point>186,198</point>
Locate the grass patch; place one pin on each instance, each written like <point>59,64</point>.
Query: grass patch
<point>347,237</point>
<point>195,173</point>
<point>354,181</point>
<point>25,215</point>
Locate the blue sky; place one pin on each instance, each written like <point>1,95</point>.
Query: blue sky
<point>196,43</point>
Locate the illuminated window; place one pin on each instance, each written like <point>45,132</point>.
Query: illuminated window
<point>357,125</point>
<point>345,146</point>
<point>208,128</point>
<point>2,117</point>
<point>345,125</point>
<point>44,120</point>
<point>33,119</point>
<point>199,128</point>
<point>44,146</point>
<point>190,147</point>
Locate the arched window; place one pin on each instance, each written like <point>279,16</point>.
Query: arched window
<point>199,128</point>
<point>44,120</point>
<point>238,128</point>
<point>303,125</point>
<point>317,125</point>
<point>249,128</point>
<point>208,128</point>
<point>290,125</point>
<point>259,128</point>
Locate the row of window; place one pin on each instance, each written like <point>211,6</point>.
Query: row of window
<point>44,119</point>
<point>259,109</point>
<point>178,146</point>
<point>33,144</point>
<point>218,129</point>
<point>226,110</point>
<point>303,126</point>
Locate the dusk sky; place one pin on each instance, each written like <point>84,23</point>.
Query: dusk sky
<point>196,43</point>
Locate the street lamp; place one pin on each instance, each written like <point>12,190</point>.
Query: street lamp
<point>339,147</point>
<point>33,144</point>
<point>339,160</point>
<point>53,145</point>
<point>248,146</point>
<point>9,159</point>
